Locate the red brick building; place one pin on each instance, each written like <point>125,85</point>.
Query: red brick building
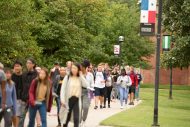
<point>180,77</point>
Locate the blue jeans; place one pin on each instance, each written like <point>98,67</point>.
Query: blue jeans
<point>58,104</point>
<point>123,94</point>
<point>32,114</point>
<point>137,92</point>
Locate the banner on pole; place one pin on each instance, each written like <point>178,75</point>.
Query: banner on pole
<point>116,49</point>
<point>148,17</point>
<point>166,42</point>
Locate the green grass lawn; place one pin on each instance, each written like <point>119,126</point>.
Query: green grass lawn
<point>172,113</point>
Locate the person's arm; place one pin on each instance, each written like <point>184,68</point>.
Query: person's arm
<point>50,99</point>
<point>63,90</point>
<point>32,93</point>
<point>136,81</point>
<point>55,85</point>
<point>84,82</point>
<point>3,90</point>
<point>14,97</point>
<point>118,80</point>
<point>129,81</point>
<point>3,94</point>
<point>92,81</point>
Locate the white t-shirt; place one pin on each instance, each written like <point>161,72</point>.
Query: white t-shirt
<point>99,80</point>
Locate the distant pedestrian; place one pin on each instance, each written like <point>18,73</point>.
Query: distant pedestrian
<point>57,84</point>
<point>71,93</point>
<point>3,87</point>
<point>11,101</point>
<point>38,119</point>
<point>27,79</point>
<point>86,91</point>
<point>108,88</point>
<point>134,85</point>
<point>115,91</point>
<point>40,98</point>
<point>139,77</point>
<point>124,82</point>
<point>100,82</point>
<point>17,79</point>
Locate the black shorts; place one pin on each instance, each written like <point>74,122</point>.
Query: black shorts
<point>132,89</point>
<point>99,91</point>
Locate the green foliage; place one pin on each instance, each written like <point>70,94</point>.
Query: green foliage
<point>176,21</point>
<point>16,41</point>
<point>62,30</point>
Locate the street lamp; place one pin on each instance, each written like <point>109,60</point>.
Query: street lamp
<point>167,46</point>
<point>117,47</point>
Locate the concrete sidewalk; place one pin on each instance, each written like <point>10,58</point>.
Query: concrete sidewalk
<point>94,117</point>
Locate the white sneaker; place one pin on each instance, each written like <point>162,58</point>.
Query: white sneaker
<point>121,107</point>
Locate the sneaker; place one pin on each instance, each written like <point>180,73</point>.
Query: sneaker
<point>101,107</point>
<point>109,106</point>
<point>96,107</point>
<point>131,103</point>
<point>121,107</point>
<point>104,107</point>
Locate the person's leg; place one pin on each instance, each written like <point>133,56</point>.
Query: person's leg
<point>43,114</point>
<point>109,90</point>
<point>38,119</point>
<point>97,97</point>
<point>85,106</point>
<point>58,104</point>
<point>32,115</point>
<point>24,110</point>
<point>76,112</point>
<point>132,94</point>
<point>105,96</point>
<point>102,93</point>
<point>121,95</point>
<point>127,94</point>
<point>8,113</point>
<point>71,105</point>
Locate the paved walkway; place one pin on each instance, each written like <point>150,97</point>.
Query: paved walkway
<point>94,117</point>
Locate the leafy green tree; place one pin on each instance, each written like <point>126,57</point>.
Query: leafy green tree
<point>176,21</point>
<point>16,41</point>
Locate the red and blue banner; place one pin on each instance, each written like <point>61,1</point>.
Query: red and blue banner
<point>148,14</point>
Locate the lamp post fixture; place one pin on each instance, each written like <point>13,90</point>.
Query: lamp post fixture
<point>117,47</point>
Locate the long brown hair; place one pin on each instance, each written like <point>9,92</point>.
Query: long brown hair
<point>46,80</point>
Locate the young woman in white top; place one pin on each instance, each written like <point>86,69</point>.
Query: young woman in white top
<point>124,82</point>
<point>71,92</point>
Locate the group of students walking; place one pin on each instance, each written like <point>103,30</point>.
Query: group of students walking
<point>72,87</point>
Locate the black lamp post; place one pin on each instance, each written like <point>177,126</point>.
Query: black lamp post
<point>157,77</point>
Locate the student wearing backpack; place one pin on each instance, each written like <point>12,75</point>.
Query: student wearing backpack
<point>100,80</point>
<point>124,82</point>
<point>134,85</point>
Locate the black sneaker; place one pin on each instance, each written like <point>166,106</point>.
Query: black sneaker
<point>131,103</point>
<point>109,106</point>
<point>101,107</point>
<point>96,107</point>
<point>104,107</point>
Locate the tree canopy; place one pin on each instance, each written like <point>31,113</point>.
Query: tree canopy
<point>61,30</point>
<point>176,22</point>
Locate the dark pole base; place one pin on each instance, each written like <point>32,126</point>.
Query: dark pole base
<point>155,125</point>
